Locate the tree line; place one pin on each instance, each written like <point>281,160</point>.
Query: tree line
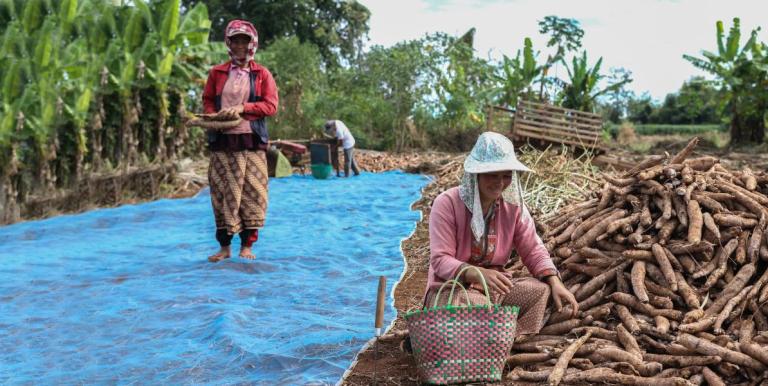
<point>90,86</point>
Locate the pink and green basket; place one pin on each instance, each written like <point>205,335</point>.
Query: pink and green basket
<point>454,344</point>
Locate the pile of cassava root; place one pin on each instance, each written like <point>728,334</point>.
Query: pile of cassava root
<point>668,264</point>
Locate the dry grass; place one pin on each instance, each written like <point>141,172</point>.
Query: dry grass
<point>626,134</point>
<point>560,177</point>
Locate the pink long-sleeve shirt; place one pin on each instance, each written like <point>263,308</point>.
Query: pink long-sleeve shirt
<point>450,238</point>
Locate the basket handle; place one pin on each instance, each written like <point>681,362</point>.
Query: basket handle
<point>453,287</point>
<point>482,279</point>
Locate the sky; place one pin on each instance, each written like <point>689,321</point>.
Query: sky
<point>646,37</point>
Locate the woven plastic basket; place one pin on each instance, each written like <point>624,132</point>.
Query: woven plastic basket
<point>454,344</point>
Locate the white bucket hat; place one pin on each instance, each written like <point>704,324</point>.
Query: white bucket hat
<point>492,152</point>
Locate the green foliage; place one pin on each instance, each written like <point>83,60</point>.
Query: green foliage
<point>565,35</point>
<point>640,147</point>
<point>641,109</point>
<point>514,78</point>
<point>462,79</point>
<point>296,67</point>
<point>381,92</point>
<point>668,129</point>
<point>697,102</point>
<point>108,85</point>
<point>582,92</point>
<point>170,23</point>
<point>615,103</point>
<point>336,27</point>
<point>67,13</point>
<point>742,74</point>
<point>71,73</point>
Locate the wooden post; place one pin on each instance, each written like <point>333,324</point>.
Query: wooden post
<point>380,298</point>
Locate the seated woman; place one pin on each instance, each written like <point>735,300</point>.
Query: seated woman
<point>480,222</point>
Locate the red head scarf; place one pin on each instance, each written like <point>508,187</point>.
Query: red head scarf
<point>241,27</point>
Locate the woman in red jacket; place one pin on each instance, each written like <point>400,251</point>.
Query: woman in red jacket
<point>237,173</point>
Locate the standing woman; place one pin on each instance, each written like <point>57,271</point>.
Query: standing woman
<point>479,223</point>
<point>237,173</point>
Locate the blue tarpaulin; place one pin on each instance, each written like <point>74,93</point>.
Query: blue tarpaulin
<point>126,295</point>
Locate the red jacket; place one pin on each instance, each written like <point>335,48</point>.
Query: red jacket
<point>265,88</point>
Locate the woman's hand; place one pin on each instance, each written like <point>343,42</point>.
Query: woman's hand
<point>497,281</point>
<point>560,293</point>
<point>231,112</point>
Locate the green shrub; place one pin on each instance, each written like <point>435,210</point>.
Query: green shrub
<point>640,147</point>
<point>668,129</point>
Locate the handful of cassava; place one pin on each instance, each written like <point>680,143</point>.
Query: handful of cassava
<point>213,122</point>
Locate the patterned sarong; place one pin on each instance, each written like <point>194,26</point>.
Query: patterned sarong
<point>238,183</point>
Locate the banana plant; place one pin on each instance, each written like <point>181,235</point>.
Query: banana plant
<point>67,14</point>
<point>72,75</point>
<point>36,52</point>
<point>11,87</point>
<point>741,71</point>
<point>97,30</point>
<point>165,40</point>
<point>515,76</point>
<point>582,89</point>
<point>80,86</point>
<point>178,35</point>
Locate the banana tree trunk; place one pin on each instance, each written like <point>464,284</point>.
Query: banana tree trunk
<point>45,157</point>
<point>133,130</point>
<point>79,158</point>
<point>162,119</point>
<point>9,205</point>
<point>747,128</point>
<point>128,142</point>
<point>95,128</point>
<point>80,148</point>
<point>179,138</point>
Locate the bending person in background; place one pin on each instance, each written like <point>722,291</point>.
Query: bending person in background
<point>338,130</point>
<point>237,172</point>
<point>479,223</point>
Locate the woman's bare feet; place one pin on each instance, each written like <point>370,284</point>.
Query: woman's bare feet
<point>247,253</point>
<point>222,254</point>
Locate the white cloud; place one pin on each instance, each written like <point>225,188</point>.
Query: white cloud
<point>646,37</point>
